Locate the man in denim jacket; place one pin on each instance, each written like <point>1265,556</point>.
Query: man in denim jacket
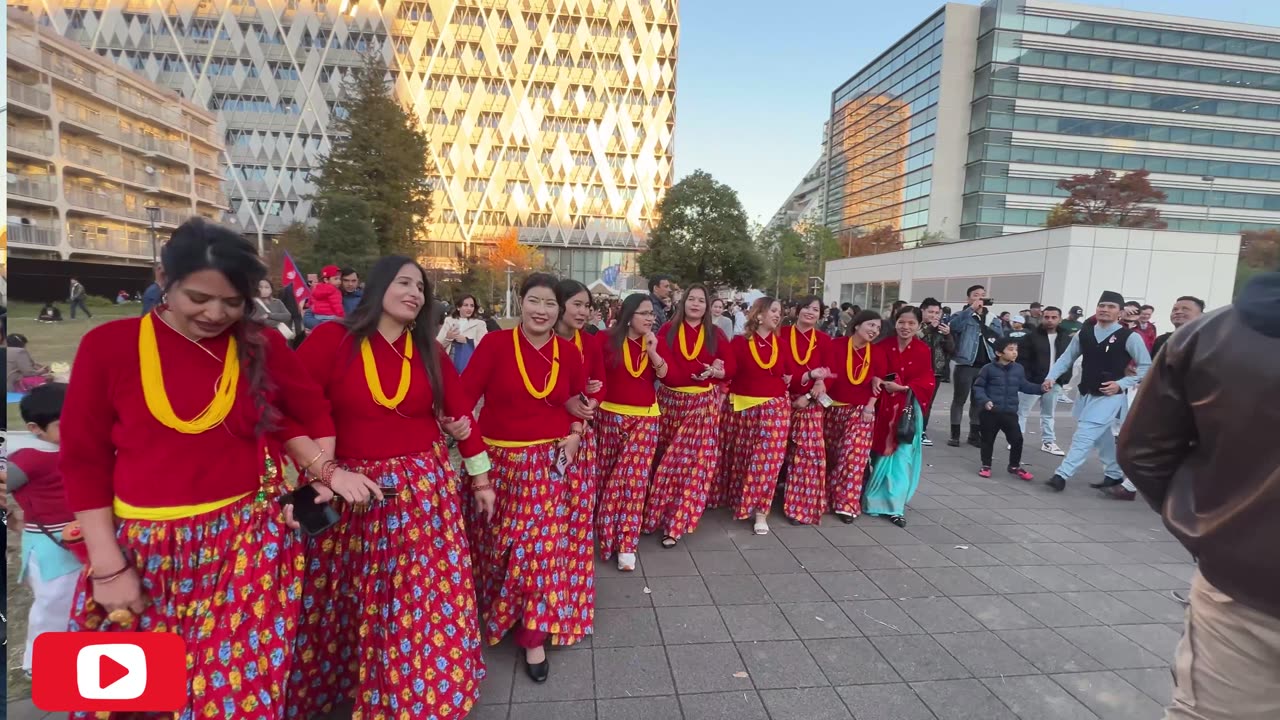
<point>973,350</point>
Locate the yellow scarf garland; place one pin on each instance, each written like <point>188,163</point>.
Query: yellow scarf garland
<point>626,358</point>
<point>224,397</point>
<point>866,364</point>
<point>773,340</point>
<point>524,374</point>
<point>795,352</point>
<point>375,384</point>
<point>697,346</point>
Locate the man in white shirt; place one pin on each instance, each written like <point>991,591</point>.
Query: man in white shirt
<point>1037,352</point>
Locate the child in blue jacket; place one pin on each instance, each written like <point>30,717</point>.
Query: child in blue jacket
<point>996,391</point>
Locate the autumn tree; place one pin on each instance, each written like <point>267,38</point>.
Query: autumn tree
<point>1105,199</point>
<point>793,255</point>
<point>484,270</point>
<point>378,154</point>
<point>882,239</point>
<point>702,236</point>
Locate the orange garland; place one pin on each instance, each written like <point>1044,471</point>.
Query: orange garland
<point>524,374</point>
<point>626,358</point>
<point>773,340</point>
<point>697,347</point>
<point>866,364</point>
<point>795,353</point>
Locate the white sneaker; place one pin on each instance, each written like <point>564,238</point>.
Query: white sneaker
<point>626,562</point>
<point>1065,400</point>
<point>1052,448</point>
<point>762,524</point>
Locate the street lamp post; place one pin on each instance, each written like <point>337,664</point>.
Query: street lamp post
<point>153,212</point>
<point>510,269</point>
<point>816,282</point>
<point>1208,198</point>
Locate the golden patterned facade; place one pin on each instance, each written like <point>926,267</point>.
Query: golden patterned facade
<point>553,117</point>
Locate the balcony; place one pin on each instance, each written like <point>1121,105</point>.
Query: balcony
<point>32,141</point>
<point>29,95</point>
<point>205,161</point>
<point>211,195</point>
<point>133,243</point>
<point>180,184</point>
<point>28,186</point>
<point>26,234</point>
<point>86,118</point>
<point>102,163</point>
<point>174,216</point>
<point>96,200</point>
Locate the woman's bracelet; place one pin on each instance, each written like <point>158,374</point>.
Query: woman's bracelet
<point>326,473</point>
<point>482,486</point>
<point>104,579</point>
<point>313,460</point>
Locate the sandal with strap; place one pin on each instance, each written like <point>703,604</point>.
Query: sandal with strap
<point>669,541</point>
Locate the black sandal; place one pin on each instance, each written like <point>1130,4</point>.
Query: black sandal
<point>669,542</point>
<point>899,521</point>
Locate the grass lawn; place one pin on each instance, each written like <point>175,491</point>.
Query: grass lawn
<point>48,343</point>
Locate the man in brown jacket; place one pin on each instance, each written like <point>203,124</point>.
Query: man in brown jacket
<point>1201,445</point>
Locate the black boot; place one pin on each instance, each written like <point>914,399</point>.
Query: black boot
<point>955,436</point>
<point>975,437</point>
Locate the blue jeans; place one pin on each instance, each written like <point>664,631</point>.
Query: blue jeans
<point>1094,414</point>
<point>1047,401</point>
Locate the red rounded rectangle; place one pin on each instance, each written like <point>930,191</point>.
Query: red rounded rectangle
<point>109,671</point>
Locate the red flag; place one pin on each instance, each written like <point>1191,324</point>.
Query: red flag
<point>292,277</point>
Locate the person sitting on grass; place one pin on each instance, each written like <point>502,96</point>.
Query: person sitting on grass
<point>36,484</point>
<point>49,314</point>
<point>22,371</point>
<point>996,391</point>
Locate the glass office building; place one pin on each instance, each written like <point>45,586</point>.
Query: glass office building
<point>964,127</point>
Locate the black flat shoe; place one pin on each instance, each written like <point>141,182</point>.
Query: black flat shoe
<point>1107,482</point>
<point>540,672</point>
<point>899,521</point>
<point>846,519</point>
<point>1057,482</point>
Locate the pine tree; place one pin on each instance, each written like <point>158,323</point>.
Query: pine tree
<point>345,235</point>
<point>380,157</point>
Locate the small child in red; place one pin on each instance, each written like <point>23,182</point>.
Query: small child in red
<point>326,298</point>
<point>36,484</point>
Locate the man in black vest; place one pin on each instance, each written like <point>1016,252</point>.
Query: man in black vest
<point>1106,348</point>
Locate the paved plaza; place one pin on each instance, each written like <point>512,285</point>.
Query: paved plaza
<point>1000,600</point>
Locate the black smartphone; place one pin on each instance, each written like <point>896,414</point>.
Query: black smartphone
<point>314,517</point>
<point>988,302</point>
<point>891,377</point>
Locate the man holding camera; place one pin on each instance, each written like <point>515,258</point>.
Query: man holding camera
<point>973,350</point>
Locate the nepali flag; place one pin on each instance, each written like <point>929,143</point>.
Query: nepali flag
<point>292,277</point>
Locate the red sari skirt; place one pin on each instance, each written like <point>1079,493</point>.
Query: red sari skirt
<point>758,448</point>
<point>718,496</point>
<point>848,451</point>
<point>228,581</point>
<point>625,445</point>
<point>689,438</point>
<point>580,597</point>
<point>525,569</point>
<point>805,499</point>
<point>389,612</point>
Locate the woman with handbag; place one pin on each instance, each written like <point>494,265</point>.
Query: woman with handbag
<point>463,331</point>
<point>904,394</point>
<point>270,311</point>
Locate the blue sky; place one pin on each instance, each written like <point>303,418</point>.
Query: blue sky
<point>754,78</point>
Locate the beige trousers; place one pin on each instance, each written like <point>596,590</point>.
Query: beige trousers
<point>1227,666</point>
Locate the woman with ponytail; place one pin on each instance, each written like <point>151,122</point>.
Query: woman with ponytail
<point>389,611</point>
<point>761,414</point>
<point>171,437</point>
<point>699,355</point>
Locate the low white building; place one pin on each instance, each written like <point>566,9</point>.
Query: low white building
<point>1059,266</point>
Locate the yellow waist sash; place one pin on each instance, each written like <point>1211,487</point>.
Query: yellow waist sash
<point>518,443</point>
<point>837,403</point>
<point>632,410</point>
<point>124,510</point>
<point>691,389</point>
<point>746,402</point>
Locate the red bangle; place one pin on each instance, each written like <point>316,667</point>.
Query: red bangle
<point>326,473</point>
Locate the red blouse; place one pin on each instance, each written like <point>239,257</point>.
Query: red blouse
<point>620,386</point>
<point>681,371</point>
<point>510,413</point>
<point>592,360</point>
<point>800,355</point>
<point>840,388</point>
<point>752,380</point>
<point>112,447</point>
<point>914,368</point>
<point>367,430</point>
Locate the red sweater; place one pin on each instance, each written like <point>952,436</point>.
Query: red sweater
<point>43,499</point>
<point>752,380</point>
<point>510,413</point>
<point>797,350</point>
<point>113,447</point>
<point>681,371</point>
<point>840,388</point>
<point>326,300</point>
<point>619,385</point>
<point>592,360</point>
<point>367,430</point>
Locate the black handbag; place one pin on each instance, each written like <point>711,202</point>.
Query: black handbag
<point>906,429</point>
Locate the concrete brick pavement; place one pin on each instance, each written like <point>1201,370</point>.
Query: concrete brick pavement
<point>999,600</point>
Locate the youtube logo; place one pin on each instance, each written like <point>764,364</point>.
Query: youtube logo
<point>114,671</point>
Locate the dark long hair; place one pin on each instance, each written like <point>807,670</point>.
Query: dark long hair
<point>805,302</point>
<point>198,245</point>
<point>475,307</point>
<point>708,326</point>
<point>362,323</point>
<point>567,290</point>
<point>618,333</point>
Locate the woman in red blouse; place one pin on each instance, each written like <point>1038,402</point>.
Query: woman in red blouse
<point>575,311</point>
<point>908,383</point>
<point>850,421</point>
<point>627,428</point>
<point>805,498</point>
<point>390,385</point>
<point>523,566</point>
<point>699,355</point>
<point>171,434</point>
<point>761,414</point>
